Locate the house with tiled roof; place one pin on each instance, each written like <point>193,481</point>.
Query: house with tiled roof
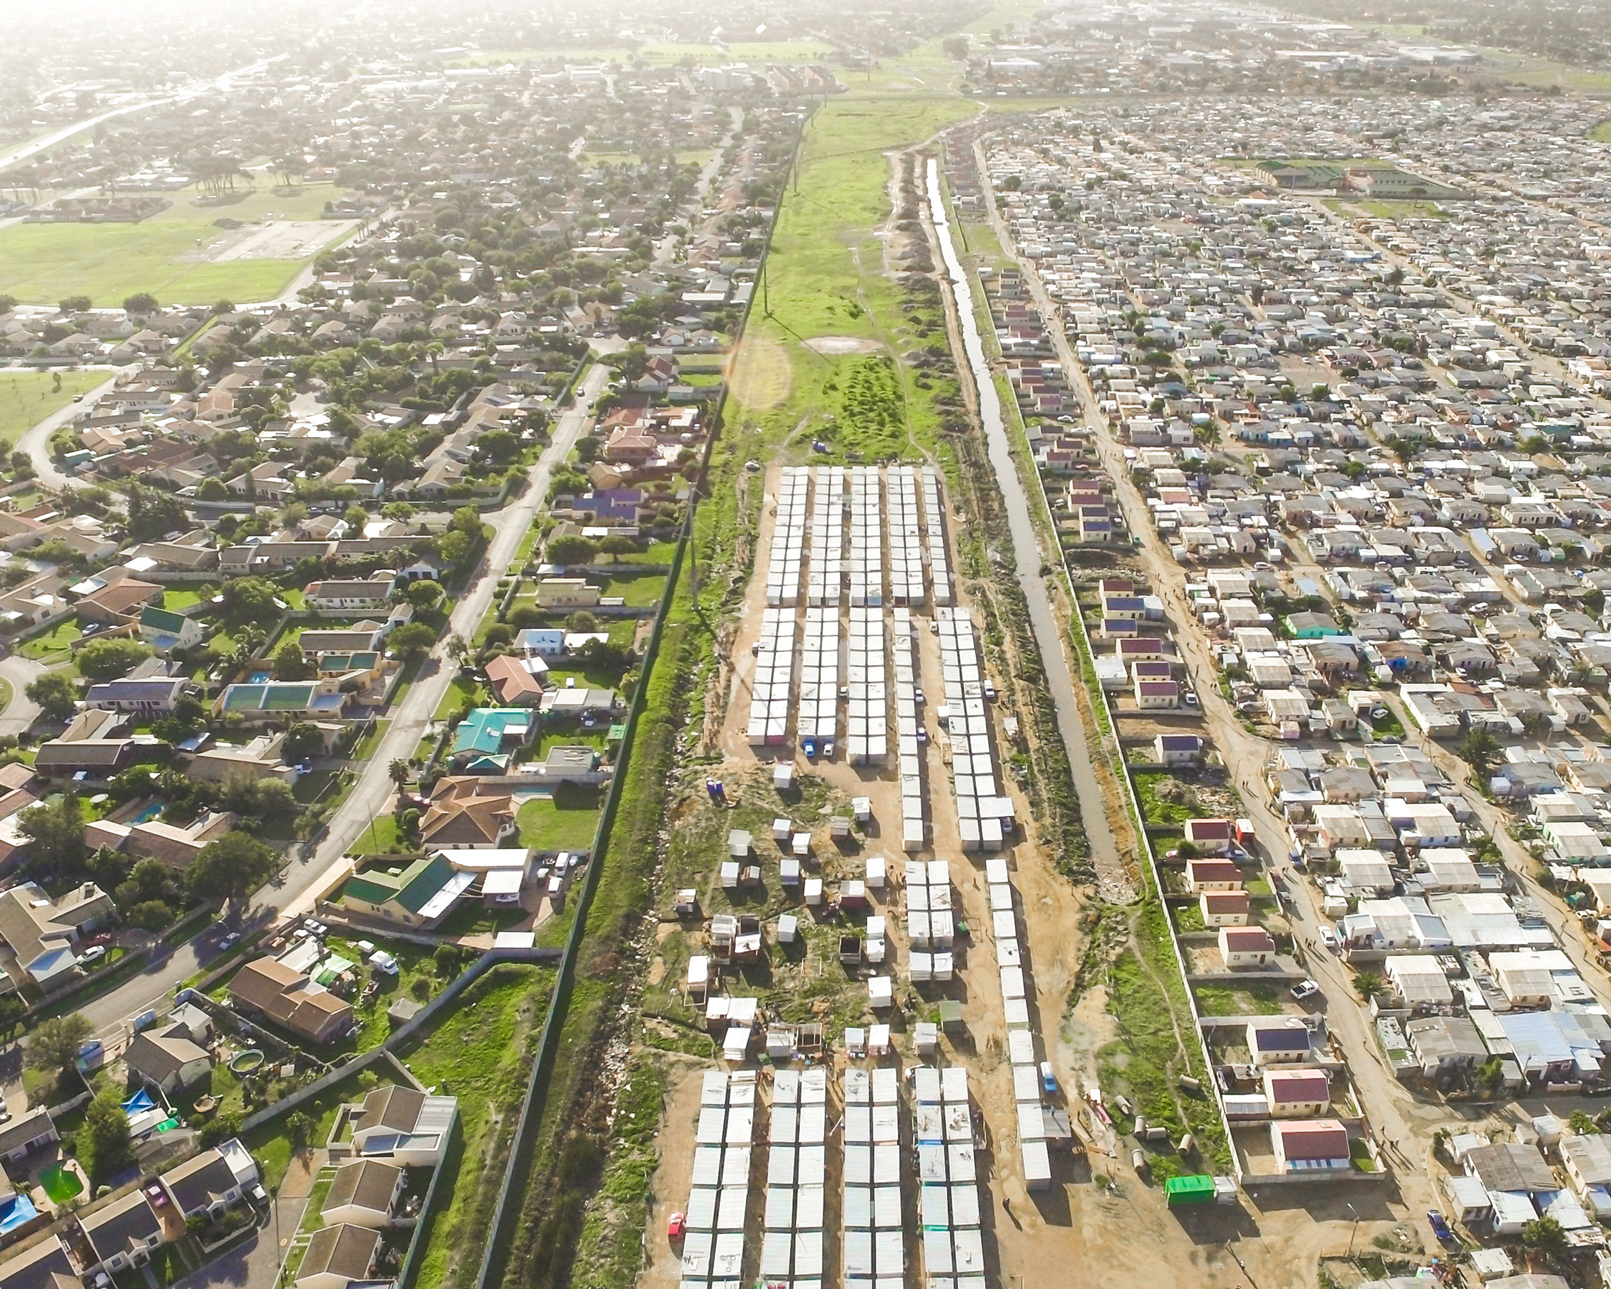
<point>166,631</point>
<point>417,894</point>
<point>459,817</point>
<point>267,987</point>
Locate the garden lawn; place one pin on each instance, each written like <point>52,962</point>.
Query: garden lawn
<point>566,821</point>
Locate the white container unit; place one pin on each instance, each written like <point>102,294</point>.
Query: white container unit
<point>934,519</point>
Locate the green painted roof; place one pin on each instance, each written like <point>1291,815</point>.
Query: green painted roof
<point>484,729</point>
<point>162,619</point>
<point>412,888</point>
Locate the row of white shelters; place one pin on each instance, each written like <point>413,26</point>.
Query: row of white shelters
<point>865,568</point>
<point>930,920</point>
<point>909,758</point>
<point>819,674</point>
<point>934,527</point>
<point>825,573</point>
<point>905,535</point>
<point>948,1179</point>
<point>1028,1089</point>
<point>983,815</point>
<point>772,686</point>
<point>867,689</point>
<point>786,556</point>
<point>718,1200</point>
<point>873,1243</point>
<point>796,1179</point>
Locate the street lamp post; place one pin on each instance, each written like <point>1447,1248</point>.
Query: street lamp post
<point>1354,1230</point>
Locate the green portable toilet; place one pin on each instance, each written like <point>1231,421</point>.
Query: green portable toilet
<point>1195,1189</point>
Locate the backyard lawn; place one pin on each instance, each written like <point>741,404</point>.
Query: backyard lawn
<point>566,821</point>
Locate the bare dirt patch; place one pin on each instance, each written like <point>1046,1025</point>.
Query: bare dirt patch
<point>759,375</point>
<point>284,239</point>
<point>838,345</point>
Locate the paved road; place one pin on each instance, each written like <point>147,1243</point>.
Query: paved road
<point>309,873</point>
<point>19,673</point>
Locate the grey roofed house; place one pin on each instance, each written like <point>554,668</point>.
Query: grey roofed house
<point>1588,1158</point>
<point>45,1266</point>
<point>363,1192</point>
<point>1510,1166</point>
<point>1446,1041</point>
<point>168,1059</point>
<point>338,1255</point>
<point>123,1227</point>
<point>20,1136</point>
<point>204,1184</point>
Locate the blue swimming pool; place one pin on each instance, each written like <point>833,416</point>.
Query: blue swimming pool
<point>261,677</point>
<point>148,813</point>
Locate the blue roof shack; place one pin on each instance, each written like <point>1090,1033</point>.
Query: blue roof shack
<point>485,738</point>
<point>1554,1046</point>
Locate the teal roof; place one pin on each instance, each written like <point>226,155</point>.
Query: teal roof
<point>280,696</point>
<point>484,730</point>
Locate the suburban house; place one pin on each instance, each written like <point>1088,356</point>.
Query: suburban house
<point>167,1059</point>
<point>1279,1041</point>
<point>349,594</point>
<point>44,1266</point>
<point>1211,836</point>
<point>364,1192</point>
<point>408,1127</point>
<point>516,682</point>
<point>566,593</point>
<point>267,987</point>
<point>1177,749</point>
<point>41,935</point>
<point>21,1137</point>
<point>1310,1145</point>
<point>417,894</point>
<point>209,1183</point>
<point>167,631</point>
<point>1299,1093</point>
<point>1587,1160</point>
<point>1223,908</point>
<point>338,1256</point>
<point>459,817</point>
<point>484,739</point>
<point>1213,875</point>
<point>1246,946</point>
<point>278,700</point>
<point>155,697</point>
<point>122,1234</point>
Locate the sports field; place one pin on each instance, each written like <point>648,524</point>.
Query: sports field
<point>173,254</point>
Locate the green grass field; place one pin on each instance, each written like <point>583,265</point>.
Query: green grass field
<point>566,821</point>
<point>44,263</point>
<point>29,397</point>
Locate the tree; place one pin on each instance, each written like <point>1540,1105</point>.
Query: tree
<point>74,304</point>
<point>1583,1123</point>
<point>106,1133</point>
<point>150,915</point>
<point>291,663</point>
<point>618,544</point>
<point>457,648</point>
<point>398,772</point>
<point>56,695</point>
<point>109,659</point>
<point>955,48</point>
<point>424,594</point>
<point>212,488</point>
<point>570,550</point>
<point>54,1043</point>
<point>251,600</point>
<point>302,741</point>
<point>221,1127</point>
<point>581,620</point>
<point>141,302</point>
<point>413,639</point>
<point>232,867</point>
<point>1546,1236</point>
<point>56,831</point>
<point>1478,749</point>
<point>1369,984</point>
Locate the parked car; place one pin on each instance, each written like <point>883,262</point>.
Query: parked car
<point>676,1226</point>
<point>1440,1228</point>
<point>1328,937</point>
<point>155,1195</point>
<point>92,954</point>
<point>1048,1080</point>
<point>1191,699</point>
<point>229,941</point>
<point>1304,989</point>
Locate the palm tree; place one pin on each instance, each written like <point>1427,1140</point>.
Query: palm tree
<point>398,772</point>
<point>457,649</point>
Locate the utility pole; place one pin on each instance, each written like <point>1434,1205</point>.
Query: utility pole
<point>1354,1230</point>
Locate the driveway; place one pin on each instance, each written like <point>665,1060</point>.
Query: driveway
<point>255,1264</point>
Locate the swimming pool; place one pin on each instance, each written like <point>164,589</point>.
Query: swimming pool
<point>148,813</point>
<point>261,678</point>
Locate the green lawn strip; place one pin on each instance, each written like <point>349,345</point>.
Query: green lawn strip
<point>460,692</point>
<point>481,1053</point>
<point>312,1215</point>
<point>272,1148</point>
<point>26,398</point>
<point>364,749</point>
<point>1251,1000</point>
